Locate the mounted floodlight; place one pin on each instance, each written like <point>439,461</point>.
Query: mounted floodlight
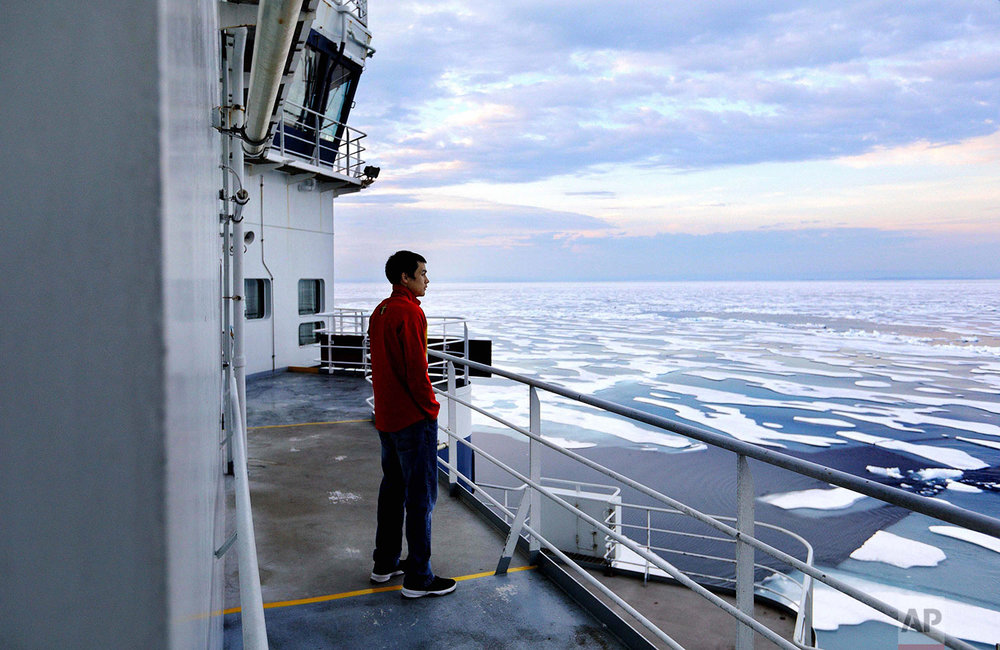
<point>371,171</point>
<point>248,237</point>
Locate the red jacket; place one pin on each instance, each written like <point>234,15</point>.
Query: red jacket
<point>397,338</point>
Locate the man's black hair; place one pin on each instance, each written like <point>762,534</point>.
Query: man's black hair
<point>402,262</point>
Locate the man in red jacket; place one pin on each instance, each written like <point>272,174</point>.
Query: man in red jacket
<point>406,414</point>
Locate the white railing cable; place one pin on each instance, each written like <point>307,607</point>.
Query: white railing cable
<point>942,511</point>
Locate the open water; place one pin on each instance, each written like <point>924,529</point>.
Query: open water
<point>896,381</point>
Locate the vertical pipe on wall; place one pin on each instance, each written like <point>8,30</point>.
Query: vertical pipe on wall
<point>239,307</point>
<point>226,342</point>
<point>251,601</point>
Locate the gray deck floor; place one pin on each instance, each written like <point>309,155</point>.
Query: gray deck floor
<point>313,490</point>
<point>314,474</point>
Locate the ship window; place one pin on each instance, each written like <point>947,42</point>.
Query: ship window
<point>310,297</point>
<point>320,95</point>
<point>307,332</point>
<point>257,298</point>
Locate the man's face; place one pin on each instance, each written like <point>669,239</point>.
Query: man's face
<point>418,283</point>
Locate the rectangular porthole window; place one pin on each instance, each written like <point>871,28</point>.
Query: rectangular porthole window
<point>310,297</point>
<point>307,332</point>
<point>257,298</point>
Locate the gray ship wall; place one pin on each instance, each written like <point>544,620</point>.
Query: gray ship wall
<point>109,267</point>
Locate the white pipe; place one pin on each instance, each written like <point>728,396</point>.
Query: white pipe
<point>276,21</point>
<point>251,600</point>
<point>239,299</point>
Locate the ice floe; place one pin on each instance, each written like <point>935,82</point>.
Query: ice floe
<point>962,487</point>
<point>735,423</point>
<point>937,473</point>
<point>837,498</point>
<point>971,536</point>
<point>828,422</point>
<point>569,444</point>
<point>993,444</point>
<point>888,472</point>
<point>952,457</point>
<point>963,620</point>
<point>898,551</point>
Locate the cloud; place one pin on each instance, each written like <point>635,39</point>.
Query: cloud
<point>524,90</point>
<point>842,254</point>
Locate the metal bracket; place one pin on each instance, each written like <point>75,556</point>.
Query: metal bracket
<point>219,552</point>
<point>254,169</point>
<point>514,534</point>
<point>298,178</point>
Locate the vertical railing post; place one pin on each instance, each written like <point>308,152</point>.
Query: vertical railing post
<point>465,352</point>
<point>649,543</point>
<point>347,158</point>
<point>535,470</point>
<point>453,430</point>
<point>744,552</point>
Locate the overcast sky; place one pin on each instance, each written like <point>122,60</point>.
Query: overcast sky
<point>659,139</point>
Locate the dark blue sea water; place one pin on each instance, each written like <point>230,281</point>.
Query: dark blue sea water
<point>893,381</point>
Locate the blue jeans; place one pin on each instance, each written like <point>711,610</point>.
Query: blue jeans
<point>409,483</point>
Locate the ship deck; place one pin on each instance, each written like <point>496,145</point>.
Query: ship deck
<point>314,476</point>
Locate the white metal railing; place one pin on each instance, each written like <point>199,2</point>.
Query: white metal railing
<point>343,322</point>
<point>723,576</point>
<point>444,333</point>
<point>359,8</point>
<point>742,534</point>
<point>314,138</point>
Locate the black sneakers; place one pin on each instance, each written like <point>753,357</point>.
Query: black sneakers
<point>438,587</point>
<point>381,574</point>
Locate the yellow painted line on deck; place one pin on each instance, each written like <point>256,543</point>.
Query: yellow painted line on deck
<point>308,424</point>
<point>365,592</point>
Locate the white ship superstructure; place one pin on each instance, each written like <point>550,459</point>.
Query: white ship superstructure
<point>311,157</point>
<point>168,174</point>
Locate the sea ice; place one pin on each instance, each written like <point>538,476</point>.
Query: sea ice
<point>868,383</point>
<point>985,443</point>
<point>837,498</point>
<point>971,536</point>
<point>944,455</point>
<point>964,620</point>
<point>734,423</point>
<point>889,472</point>
<point>937,473</point>
<point>962,487</point>
<point>898,551</point>
<point>829,422</point>
<point>569,444</point>
<point>613,426</point>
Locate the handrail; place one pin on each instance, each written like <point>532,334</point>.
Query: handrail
<point>923,505</point>
<point>251,598</point>
<point>340,154</point>
<point>942,511</point>
<point>354,321</point>
<point>629,543</point>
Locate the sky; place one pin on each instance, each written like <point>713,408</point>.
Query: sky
<point>668,140</point>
